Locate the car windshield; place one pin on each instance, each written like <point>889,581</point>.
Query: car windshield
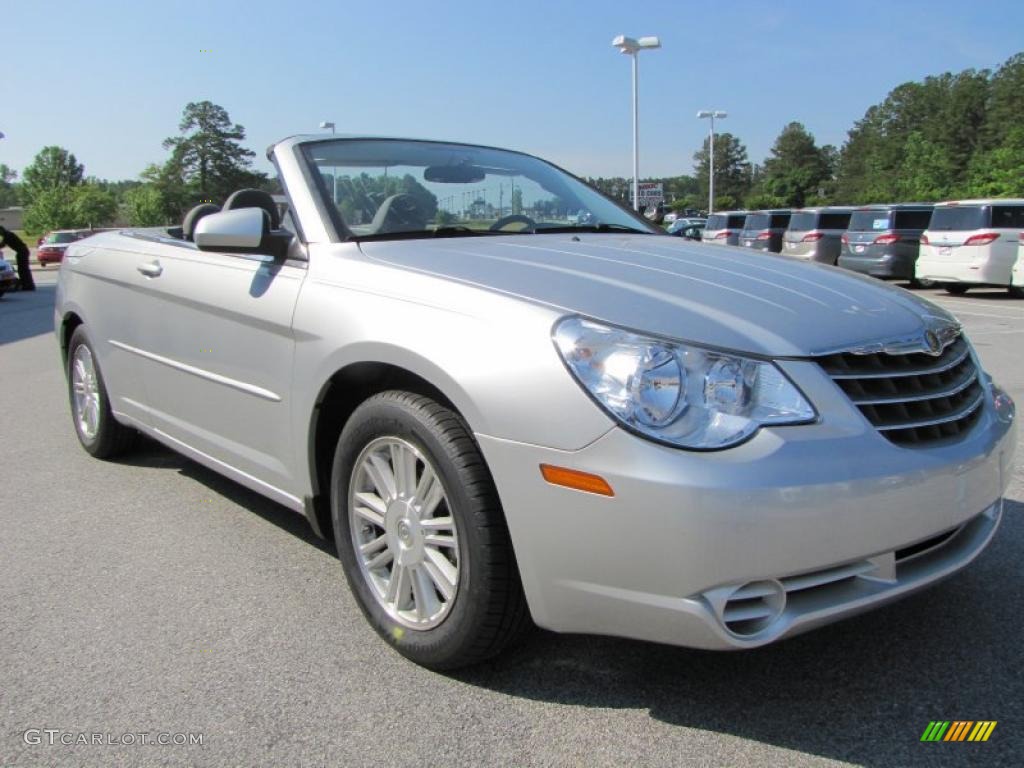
<point>61,237</point>
<point>390,189</point>
<point>958,218</point>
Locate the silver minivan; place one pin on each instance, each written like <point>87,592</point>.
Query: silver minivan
<point>816,234</point>
<point>724,228</point>
<point>883,240</point>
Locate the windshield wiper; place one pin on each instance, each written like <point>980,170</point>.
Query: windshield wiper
<point>601,227</point>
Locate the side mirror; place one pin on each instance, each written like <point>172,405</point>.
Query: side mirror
<point>239,230</point>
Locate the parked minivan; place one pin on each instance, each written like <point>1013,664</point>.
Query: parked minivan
<point>814,233</point>
<point>884,240</point>
<point>972,243</point>
<point>764,229</point>
<point>1017,274</point>
<point>724,228</point>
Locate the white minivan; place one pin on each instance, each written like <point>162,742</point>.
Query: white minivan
<point>1017,276</point>
<point>972,243</point>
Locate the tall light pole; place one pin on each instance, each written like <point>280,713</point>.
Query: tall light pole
<point>334,170</point>
<point>632,47</point>
<point>711,114</point>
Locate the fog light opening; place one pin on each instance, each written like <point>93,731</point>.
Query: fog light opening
<point>754,607</point>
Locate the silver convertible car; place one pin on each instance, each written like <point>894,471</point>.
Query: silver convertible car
<point>507,414</point>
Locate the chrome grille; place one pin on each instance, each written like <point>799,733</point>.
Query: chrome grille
<point>913,398</point>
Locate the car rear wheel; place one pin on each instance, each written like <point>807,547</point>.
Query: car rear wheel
<point>97,429</point>
<point>421,534</point>
<point>956,290</point>
<point>920,283</point>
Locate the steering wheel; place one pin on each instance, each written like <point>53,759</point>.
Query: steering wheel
<point>515,218</point>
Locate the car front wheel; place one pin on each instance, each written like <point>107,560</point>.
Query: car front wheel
<point>421,534</point>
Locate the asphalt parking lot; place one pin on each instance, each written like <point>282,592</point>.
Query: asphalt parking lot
<point>151,596</point>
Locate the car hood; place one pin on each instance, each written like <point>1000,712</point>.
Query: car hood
<point>759,303</point>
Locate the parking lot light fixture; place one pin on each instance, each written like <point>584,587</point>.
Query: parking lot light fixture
<point>632,47</point>
<point>709,114</point>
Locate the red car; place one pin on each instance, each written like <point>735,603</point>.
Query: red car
<point>51,249</point>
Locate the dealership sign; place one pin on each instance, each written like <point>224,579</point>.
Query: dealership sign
<point>651,193</point>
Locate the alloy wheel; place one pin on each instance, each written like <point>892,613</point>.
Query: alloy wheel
<point>85,387</point>
<point>404,534</point>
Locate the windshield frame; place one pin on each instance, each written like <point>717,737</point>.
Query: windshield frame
<point>338,231</point>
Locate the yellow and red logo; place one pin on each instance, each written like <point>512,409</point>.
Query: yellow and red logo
<point>959,730</point>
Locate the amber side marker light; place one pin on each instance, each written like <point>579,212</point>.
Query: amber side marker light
<point>578,481</point>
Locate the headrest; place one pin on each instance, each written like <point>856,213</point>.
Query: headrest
<point>254,198</point>
<point>188,224</point>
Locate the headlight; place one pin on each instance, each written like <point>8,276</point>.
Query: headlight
<point>677,393</point>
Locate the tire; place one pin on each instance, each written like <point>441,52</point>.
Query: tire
<point>484,609</point>
<point>100,434</point>
<point>956,290</point>
<point>1016,291</point>
<point>915,283</point>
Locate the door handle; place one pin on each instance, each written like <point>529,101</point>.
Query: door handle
<point>150,269</point>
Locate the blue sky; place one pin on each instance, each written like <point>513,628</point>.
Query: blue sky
<point>108,80</point>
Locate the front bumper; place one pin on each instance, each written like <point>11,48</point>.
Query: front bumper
<point>815,521</point>
<point>8,281</point>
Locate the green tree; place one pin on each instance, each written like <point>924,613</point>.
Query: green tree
<point>939,119</point>
<point>8,191</point>
<point>732,169</point>
<point>170,183</point>
<point>796,168</point>
<point>926,172</point>
<point>761,200</point>
<point>725,203</point>
<point>208,158</point>
<point>50,209</point>
<point>52,168</point>
<point>1006,103</point>
<point>92,206</point>
<point>999,172</point>
<point>144,206</point>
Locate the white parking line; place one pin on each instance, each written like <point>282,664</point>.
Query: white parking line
<point>972,334</point>
<point>981,314</point>
<point>1016,311</point>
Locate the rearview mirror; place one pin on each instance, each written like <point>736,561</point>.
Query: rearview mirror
<point>454,174</point>
<point>240,229</point>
